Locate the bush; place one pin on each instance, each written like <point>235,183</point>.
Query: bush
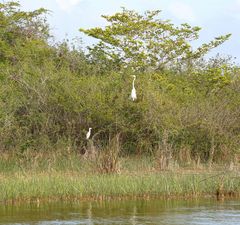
<point>51,94</point>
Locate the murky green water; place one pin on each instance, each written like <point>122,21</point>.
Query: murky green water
<point>153,212</point>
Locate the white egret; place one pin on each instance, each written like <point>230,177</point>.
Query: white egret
<point>88,133</point>
<point>133,93</point>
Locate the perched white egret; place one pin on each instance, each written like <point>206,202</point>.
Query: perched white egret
<point>133,93</point>
<point>88,133</point>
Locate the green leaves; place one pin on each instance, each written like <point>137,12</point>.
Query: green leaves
<point>51,94</point>
<point>145,42</point>
<point>205,48</point>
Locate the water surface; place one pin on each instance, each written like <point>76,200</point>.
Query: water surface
<point>198,212</point>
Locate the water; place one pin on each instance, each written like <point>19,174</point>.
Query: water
<point>199,212</point>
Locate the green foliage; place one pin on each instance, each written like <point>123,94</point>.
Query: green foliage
<point>18,28</point>
<point>146,42</point>
<point>67,185</point>
<point>51,94</point>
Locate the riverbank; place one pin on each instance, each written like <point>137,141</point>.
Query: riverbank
<point>69,186</point>
<point>71,177</point>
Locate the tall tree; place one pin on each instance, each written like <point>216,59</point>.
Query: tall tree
<point>18,27</point>
<point>145,41</point>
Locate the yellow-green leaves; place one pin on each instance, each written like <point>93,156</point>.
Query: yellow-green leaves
<point>146,42</point>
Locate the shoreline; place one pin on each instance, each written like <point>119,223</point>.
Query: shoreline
<point>76,199</point>
<point>51,187</point>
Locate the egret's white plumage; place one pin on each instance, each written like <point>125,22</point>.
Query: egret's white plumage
<point>133,93</point>
<point>88,133</point>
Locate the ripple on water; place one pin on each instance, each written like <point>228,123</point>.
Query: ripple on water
<point>154,212</point>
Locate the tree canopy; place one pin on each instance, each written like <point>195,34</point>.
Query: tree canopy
<point>147,42</point>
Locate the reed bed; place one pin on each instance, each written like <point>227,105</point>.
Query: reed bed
<point>58,185</point>
<point>68,176</point>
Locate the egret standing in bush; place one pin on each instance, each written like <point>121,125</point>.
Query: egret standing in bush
<point>133,93</point>
<point>88,133</point>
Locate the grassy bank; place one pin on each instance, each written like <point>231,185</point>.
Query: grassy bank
<point>71,177</point>
<point>185,120</point>
<point>46,186</point>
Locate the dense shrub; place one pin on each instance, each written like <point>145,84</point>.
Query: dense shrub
<point>51,94</point>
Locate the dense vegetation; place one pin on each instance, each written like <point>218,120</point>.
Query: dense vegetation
<point>50,94</point>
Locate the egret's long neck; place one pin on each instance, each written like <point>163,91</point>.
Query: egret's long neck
<point>133,82</point>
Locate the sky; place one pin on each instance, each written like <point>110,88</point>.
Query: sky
<point>215,17</point>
